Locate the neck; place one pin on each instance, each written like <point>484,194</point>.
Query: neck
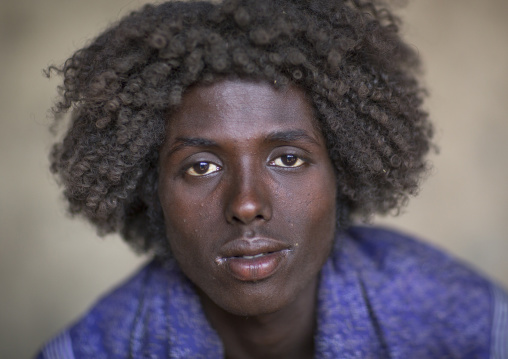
<point>287,333</point>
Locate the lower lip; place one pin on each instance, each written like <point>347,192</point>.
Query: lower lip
<point>255,269</point>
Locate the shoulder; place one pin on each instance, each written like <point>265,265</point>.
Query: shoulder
<point>425,297</point>
<point>395,254</point>
<point>108,329</point>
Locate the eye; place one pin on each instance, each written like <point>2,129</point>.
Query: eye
<point>202,168</point>
<point>290,161</point>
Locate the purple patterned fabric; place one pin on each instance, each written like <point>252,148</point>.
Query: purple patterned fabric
<point>381,295</point>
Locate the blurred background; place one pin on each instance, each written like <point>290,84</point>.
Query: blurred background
<point>53,268</point>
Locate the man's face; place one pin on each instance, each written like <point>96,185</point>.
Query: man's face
<point>248,194</point>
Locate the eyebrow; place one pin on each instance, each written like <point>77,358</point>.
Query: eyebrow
<point>290,136</point>
<point>183,142</point>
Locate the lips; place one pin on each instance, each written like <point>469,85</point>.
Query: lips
<point>253,259</point>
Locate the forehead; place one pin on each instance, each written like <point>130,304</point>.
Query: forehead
<point>242,108</point>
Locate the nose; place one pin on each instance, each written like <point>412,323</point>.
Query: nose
<point>248,198</point>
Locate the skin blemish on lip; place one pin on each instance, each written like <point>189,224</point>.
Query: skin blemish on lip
<point>220,261</point>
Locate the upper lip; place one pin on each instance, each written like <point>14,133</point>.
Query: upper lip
<point>252,246</point>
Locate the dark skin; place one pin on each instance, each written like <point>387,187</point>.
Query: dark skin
<point>248,194</point>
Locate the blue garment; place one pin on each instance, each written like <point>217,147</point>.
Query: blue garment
<point>381,295</point>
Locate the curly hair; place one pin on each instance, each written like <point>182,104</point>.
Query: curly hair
<point>347,55</point>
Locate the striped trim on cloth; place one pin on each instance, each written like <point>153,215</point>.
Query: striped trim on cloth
<point>59,348</point>
<point>499,335</point>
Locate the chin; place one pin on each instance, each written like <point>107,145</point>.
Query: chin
<point>253,299</point>
<point>253,308</point>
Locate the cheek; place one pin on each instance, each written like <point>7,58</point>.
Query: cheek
<point>321,194</point>
<point>188,220</point>
<point>177,213</point>
<point>320,213</point>
<point>185,239</point>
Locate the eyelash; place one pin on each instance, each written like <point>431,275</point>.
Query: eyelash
<point>298,161</point>
<point>194,170</point>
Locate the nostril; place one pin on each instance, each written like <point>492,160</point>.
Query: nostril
<point>246,219</point>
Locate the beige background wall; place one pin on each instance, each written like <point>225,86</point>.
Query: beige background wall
<point>52,268</point>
